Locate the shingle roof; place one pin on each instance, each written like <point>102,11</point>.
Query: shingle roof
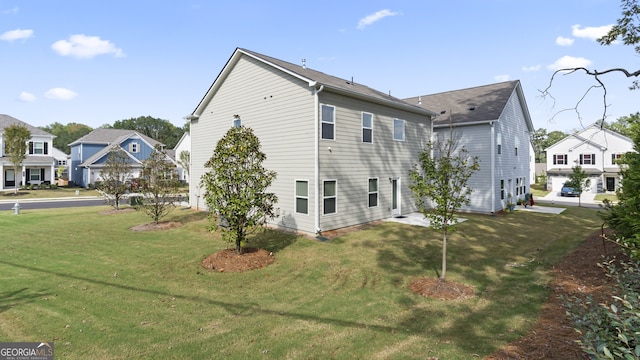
<point>313,76</point>
<point>6,121</point>
<point>108,136</point>
<point>481,103</point>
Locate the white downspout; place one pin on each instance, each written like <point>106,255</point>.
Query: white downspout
<point>316,143</point>
<point>493,169</point>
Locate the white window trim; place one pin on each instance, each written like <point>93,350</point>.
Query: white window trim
<point>363,127</point>
<point>499,143</point>
<point>324,122</point>
<point>295,196</point>
<point>134,147</point>
<point>233,122</point>
<point>325,197</point>
<point>377,192</point>
<point>404,130</point>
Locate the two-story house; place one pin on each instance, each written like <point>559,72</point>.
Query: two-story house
<point>493,123</point>
<point>89,153</point>
<point>341,150</point>
<point>39,164</point>
<point>596,150</point>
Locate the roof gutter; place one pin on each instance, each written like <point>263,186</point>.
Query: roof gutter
<point>490,122</point>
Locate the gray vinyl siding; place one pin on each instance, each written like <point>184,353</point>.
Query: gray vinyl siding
<point>477,140</point>
<point>508,165</point>
<point>351,162</point>
<point>280,110</point>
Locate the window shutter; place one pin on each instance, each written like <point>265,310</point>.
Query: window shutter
<point>555,159</point>
<point>566,160</point>
<point>42,174</point>
<point>28,176</point>
<point>580,159</point>
<point>31,147</point>
<point>46,148</point>
<point>593,159</point>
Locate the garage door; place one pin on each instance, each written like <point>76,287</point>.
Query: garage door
<point>557,182</point>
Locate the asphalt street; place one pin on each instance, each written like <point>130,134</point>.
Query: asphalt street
<point>31,204</point>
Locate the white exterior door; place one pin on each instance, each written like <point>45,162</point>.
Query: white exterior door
<point>395,197</point>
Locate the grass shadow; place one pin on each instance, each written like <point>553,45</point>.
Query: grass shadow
<point>11,299</point>
<point>273,240</point>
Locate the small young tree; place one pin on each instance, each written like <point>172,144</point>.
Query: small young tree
<point>236,186</point>
<point>184,160</point>
<point>579,180</point>
<point>439,186</point>
<point>116,173</point>
<point>158,185</point>
<point>16,137</point>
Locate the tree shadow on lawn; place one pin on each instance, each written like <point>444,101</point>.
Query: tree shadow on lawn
<point>233,308</point>
<point>11,299</point>
<point>272,240</point>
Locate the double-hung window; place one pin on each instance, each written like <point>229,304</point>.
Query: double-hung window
<point>373,192</point>
<point>330,197</point>
<point>615,158</point>
<point>587,159</point>
<point>560,159</point>
<point>328,122</point>
<point>237,122</point>
<point>499,143</point>
<point>398,129</point>
<point>302,197</point>
<point>38,148</point>
<point>367,128</point>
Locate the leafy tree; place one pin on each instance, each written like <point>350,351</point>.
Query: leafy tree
<point>158,129</point>
<point>236,186</point>
<point>158,185</point>
<point>66,134</point>
<point>184,160</point>
<point>537,139</point>
<point>116,173</point>
<point>624,216</point>
<point>579,181</point>
<point>623,124</point>
<point>16,138</point>
<point>442,179</point>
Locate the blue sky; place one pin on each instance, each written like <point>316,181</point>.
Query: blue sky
<point>97,62</point>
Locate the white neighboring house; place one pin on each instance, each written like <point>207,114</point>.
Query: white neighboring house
<point>39,165</point>
<point>184,144</point>
<point>596,150</point>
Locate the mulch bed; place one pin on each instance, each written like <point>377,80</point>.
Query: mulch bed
<point>228,260</point>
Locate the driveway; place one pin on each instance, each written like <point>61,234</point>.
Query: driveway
<point>586,199</point>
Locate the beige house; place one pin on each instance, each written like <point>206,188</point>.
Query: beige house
<point>341,150</point>
<point>39,165</point>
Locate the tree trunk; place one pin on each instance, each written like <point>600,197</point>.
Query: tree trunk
<point>444,254</point>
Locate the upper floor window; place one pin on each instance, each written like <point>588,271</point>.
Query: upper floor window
<point>38,148</point>
<point>134,147</point>
<point>328,122</point>
<point>615,158</point>
<point>587,159</point>
<point>237,122</point>
<point>516,146</point>
<point>560,159</point>
<point>367,128</point>
<point>499,143</point>
<point>62,162</point>
<point>398,129</point>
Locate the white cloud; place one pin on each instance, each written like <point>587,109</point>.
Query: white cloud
<point>531,68</point>
<point>592,33</point>
<point>17,34</point>
<point>501,78</point>
<point>370,19</point>
<point>26,97</point>
<point>60,94</point>
<point>83,46</point>
<point>563,41</point>
<point>13,10</point>
<point>569,62</point>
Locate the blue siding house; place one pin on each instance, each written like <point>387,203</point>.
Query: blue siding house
<point>89,153</point>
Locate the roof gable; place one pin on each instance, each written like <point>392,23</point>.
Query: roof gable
<point>110,136</point>
<point>6,121</point>
<point>473,105</point>
<point>591,135</point>
<point>312,78</point>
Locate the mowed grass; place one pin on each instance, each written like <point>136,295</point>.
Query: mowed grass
<point>82,279</point>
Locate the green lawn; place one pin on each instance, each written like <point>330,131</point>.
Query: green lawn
<point>47,193</point>
<point>538,190</point>
<point>101,291</point>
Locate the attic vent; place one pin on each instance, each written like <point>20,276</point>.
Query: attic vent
<point>472,108</point>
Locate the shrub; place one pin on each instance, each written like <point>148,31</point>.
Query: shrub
<point>611,331</point>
